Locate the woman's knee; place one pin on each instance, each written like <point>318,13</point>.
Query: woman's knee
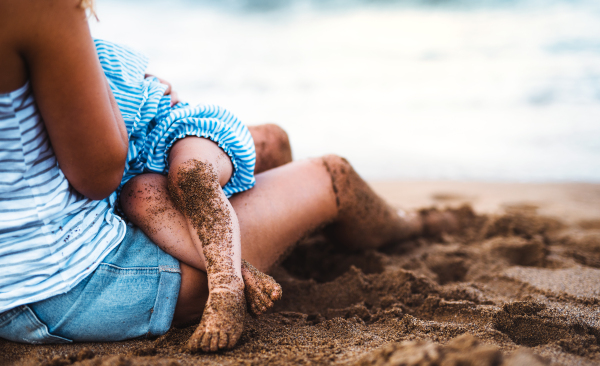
<point>280,141</point>
<point>338,167</point>
<point>346,184</point>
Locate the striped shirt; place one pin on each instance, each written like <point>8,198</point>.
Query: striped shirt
<point>51,237</point>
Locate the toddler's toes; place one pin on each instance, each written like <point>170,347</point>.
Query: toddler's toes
<point>206,341</point>
<point>276,293</point>
<point>271,288</point>
<point>232,339</point>
<point>223,340</point>
<point>254,309</point>
<point>267,303</point>
<point>194,344</point>
<point>261,304</point>
<point>214,342</point>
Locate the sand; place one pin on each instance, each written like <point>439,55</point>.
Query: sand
<point>519,285</point>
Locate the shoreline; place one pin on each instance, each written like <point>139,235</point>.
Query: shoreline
<point>570,202</point>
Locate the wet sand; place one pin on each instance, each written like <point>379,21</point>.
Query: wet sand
<point>519,285</point>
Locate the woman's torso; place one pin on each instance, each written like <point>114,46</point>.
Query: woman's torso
<point>51,237</point>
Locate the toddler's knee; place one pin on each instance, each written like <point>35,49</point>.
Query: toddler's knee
<point>191,170</point>
<point>192,177</point>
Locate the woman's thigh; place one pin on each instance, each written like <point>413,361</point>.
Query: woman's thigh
<point>287,203</point>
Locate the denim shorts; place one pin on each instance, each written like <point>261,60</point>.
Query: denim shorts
<point>131,294</point>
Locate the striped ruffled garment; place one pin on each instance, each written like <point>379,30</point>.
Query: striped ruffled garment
<point>154,126</point>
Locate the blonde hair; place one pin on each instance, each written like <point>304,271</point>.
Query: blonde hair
<point>88,6</point>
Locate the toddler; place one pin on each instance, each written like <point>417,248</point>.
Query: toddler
<point>208,155</point>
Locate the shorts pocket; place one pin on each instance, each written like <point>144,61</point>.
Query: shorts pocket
<point>22,325</point>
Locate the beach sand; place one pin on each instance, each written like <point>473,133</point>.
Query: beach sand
<point>520,285</point>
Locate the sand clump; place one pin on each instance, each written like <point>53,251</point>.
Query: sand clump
<point>502,290</point>
<point>464,350</point>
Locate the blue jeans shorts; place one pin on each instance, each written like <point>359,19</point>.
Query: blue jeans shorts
<point>131,294</point>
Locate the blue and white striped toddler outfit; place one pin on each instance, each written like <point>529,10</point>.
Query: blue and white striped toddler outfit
<point>154,126</point>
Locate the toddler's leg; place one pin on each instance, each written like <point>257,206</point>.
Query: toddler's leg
<point>195,189</point>
<point>198,170</point>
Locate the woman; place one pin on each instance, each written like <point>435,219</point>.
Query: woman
<point>72,269</point>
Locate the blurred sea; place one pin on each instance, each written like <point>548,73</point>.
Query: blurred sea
<point>504,90</point>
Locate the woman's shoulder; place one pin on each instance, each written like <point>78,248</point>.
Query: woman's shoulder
<point>13,71</point>
<point>24,25</point>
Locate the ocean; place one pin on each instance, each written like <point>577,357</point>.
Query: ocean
<point>497,90</point>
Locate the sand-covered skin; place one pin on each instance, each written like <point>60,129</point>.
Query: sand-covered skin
<point>197,194</point>
<point>510,289</point>
<point>261,290</point>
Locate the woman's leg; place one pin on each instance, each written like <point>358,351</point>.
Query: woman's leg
<point>294,200</point>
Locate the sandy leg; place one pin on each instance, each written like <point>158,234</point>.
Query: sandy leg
<point>365,220</point>
<point>196,192</point>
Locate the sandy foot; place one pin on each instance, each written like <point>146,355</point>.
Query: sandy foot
<point>222,322</point>
<point>261,290</point>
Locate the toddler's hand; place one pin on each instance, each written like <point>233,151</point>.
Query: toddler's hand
<point>168,91</point>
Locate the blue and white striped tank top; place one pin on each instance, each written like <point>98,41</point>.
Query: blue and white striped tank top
<point>51,237</point>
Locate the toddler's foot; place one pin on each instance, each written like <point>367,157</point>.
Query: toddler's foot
<point>261,289</point>
<point>222,322</point>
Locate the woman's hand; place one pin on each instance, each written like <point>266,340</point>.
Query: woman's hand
<point>169,91</point>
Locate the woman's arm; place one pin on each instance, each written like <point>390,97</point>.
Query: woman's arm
<point>82,118</point>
